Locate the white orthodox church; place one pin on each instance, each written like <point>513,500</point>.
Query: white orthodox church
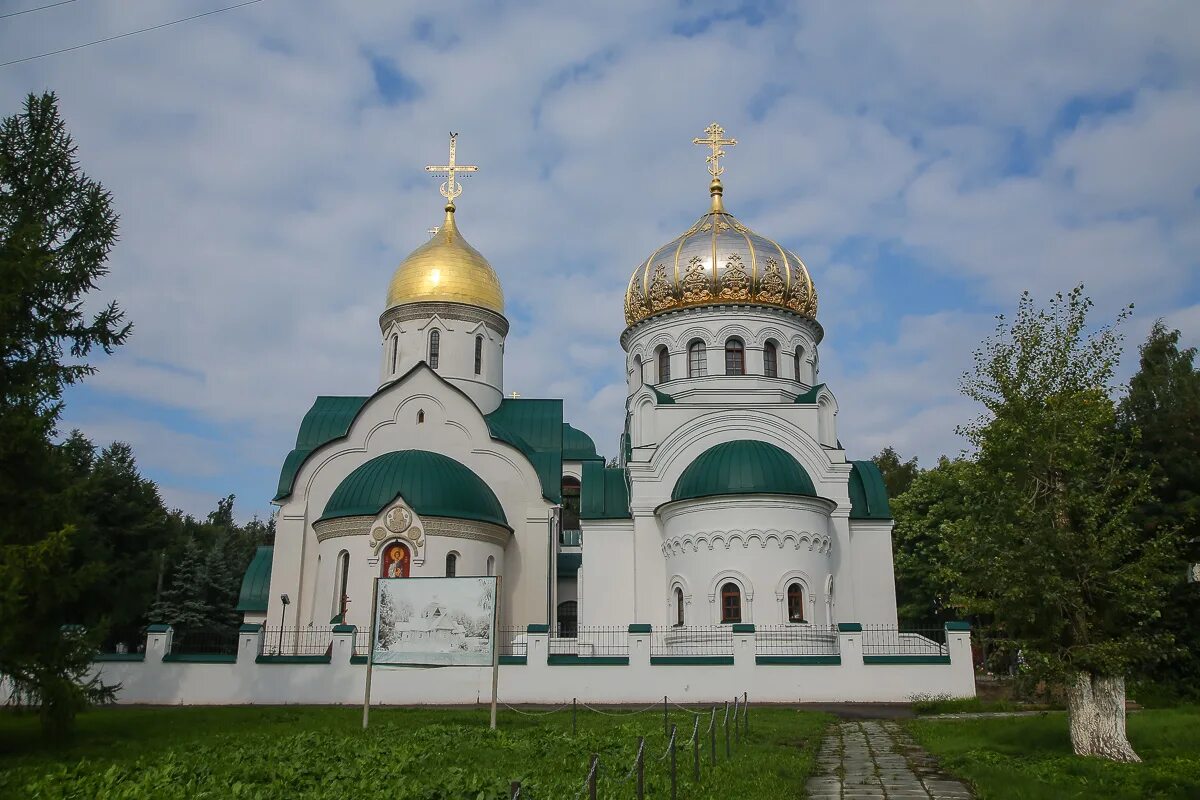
<point>731,499</point>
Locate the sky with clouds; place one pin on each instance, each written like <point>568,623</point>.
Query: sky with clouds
<point>928,161</point>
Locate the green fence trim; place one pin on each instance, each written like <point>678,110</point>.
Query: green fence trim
<point>568,660</point>
<point>798,660</point>
<point>343,628</point>
<point>250,627</point>
<point>201,658</point>
<point>640,627</point>
<point>514,660</point>
<point>358,659</point>
<point>158,627</point>
<point>958,625</point>
<point>119,657</point>
<point>901,659</point>
<point>849,627</point>
<point>537,628</point>
<point>669,661</point>
<point>743,627</point>
<point>292,659</point>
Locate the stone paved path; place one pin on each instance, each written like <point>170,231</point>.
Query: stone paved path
<point>872,760</point>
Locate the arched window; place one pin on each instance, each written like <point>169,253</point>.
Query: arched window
<point>771,360</point>
<point>678,607</point>
<point>395,350</point>
<point>421,416</point>
<point>478,355</point>
<point>735,356</point>
<point>825,430</point>
<point>664,364</point>
<point>801,366</point>
<point>637,372</point>
<point>451,565</point>
<point>570,503</point>
<point>697,360</point>
<point>731,603</point>
<point>795,601</point>
<point>435,347</point>
<point>491,566</point>
<point>341,600</point>
<point>568,619</point>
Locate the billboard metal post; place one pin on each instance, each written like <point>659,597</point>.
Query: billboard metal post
<point>371,652</point>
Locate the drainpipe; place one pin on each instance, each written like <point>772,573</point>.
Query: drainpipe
<point>552,572</point>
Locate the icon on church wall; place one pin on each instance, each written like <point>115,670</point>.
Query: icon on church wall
<point>435,621</point>
<point>395,561</point>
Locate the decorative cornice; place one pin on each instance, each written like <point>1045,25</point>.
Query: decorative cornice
<point>711,540</point>
<point>342,526</point>
<point>467,529</point>
<point>724,309</point>
<point>459,311</point>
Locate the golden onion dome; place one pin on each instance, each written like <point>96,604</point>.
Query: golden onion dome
<point>719,261</point>
<point>446,269</point>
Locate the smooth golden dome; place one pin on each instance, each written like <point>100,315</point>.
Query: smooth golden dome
<point>446,269</point>
<point>719,261</point>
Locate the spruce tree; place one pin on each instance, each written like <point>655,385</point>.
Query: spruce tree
<point>57,227</point>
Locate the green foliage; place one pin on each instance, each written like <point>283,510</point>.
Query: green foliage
<point>924,513</point>
<point>1049,546</point>
<point>1030,758</point>
<point>57,227</point>
<point>406,753</point>
<point>898,475</point>
<point>1160,417</point>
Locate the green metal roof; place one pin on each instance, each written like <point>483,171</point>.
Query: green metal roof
<point>535,427</point>
<point>605,494</point>
<point>569,564</point>
<point>433,484</point>
<point>743,467</point>
<point>662,398</point>
<point>328,419</point>
<point>256,583</point>
<point>811,395</point>
<point>577,445</point>
<point>868,492</point>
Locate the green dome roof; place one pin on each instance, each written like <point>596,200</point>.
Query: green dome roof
<point>743,467</point>
<point>433,484</point>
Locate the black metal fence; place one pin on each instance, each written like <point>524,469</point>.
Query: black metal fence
<point>795,640</point>
<point>362,642</point>
<point>296,641</point>
<point>692,640</point>
<point>513,642</point>
<point>889,640</point>
<point>204,643</point>
<point>592,640</point>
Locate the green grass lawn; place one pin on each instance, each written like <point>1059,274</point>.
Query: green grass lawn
<point>425,754</point>
<point>1021,758</point>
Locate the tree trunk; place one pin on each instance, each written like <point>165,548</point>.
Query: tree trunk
<point>1096,706</point>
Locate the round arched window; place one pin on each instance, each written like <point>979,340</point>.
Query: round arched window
<point>795,603</point>
<point>731,603</point>
<point>735,356</point>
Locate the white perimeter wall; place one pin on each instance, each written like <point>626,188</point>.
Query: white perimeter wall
<point>340,682</point>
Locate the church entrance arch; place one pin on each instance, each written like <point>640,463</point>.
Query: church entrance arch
<point>395,562</point>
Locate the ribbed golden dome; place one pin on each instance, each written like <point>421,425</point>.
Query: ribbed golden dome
<point>719,261</point>
<point>446,269</point>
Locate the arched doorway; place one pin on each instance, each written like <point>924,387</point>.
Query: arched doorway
<point>568,619</point>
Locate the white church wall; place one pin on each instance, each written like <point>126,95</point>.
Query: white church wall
<point>607,574</point>
<point>539,681</point>
<point>759,543</point>
<point>453,426</point>
<point>874,574</point>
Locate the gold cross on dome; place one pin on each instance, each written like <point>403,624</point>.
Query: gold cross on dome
<point>451,187</point>
<point>434,230</point>
<point>716,140</point>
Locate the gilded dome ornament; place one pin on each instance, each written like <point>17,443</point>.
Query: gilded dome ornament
<point>446,268</point>
<point>719,260</point>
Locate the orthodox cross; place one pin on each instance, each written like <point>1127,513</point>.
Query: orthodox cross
<point>716,140</point>
<point>451,188</point>
<point>433,231</point>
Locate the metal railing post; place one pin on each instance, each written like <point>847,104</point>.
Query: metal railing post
<point>641,769</point>
<point>736,737</point>
<point>666,724</point>
<point>712,737</point>
<point>592,776</point>
<point>673,749</point>
<point>696,750</point>
<point>574,710</point>
<point>514,790</point>
<point>728,753</point>
<point>746,713</point>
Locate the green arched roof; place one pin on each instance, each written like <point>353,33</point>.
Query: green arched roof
<point>577,445</point>
<point>433,484</point>
<point>743,467</point>
<point>868,493</point>
<point>256,582</point>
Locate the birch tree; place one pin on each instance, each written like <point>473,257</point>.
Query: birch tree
<point>1049,545</point>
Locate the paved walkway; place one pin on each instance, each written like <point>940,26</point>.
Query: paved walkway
<point>877,759</point>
